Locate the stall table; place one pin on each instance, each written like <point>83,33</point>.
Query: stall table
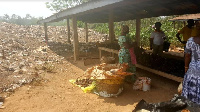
<point>163,74</point>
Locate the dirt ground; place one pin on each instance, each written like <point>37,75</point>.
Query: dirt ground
<point>56,94</point>
<point>52,91</point>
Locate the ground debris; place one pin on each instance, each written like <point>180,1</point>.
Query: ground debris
<point>23,51</point>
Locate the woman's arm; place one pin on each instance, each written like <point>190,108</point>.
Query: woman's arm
<point>187,61</point>
<point>127,45</point>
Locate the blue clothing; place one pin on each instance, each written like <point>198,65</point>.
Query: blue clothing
<point>191,83</point>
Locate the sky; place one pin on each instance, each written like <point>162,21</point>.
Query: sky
<point>36,8</point>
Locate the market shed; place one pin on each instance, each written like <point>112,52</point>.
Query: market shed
<point>186,17</point>
<point>98,11</point>
<point>110,11</point>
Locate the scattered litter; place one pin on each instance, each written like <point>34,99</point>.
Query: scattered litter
<point>1,102</point>
<point>142,83</point>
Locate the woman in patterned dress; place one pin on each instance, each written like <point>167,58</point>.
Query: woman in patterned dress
<point>126,53</point>
<point>191,83</point>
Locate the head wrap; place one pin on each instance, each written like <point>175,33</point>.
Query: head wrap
<point>125,29</point>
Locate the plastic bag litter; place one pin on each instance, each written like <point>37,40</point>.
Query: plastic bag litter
<point>180,87</point>
<point>87,89</point>
<point>142,83</point>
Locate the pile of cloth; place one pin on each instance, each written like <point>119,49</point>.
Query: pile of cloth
<point>176,104</point>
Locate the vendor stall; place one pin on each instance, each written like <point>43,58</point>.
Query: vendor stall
<point>148,63</point>
<point>104,11</point>
<point>105,80</point>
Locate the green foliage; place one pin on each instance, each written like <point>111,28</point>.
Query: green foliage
<point>102,28</point>
<point>80,24</point>
<point>60,23</point>
<point>59,5</point>
<point>15,19</point>
<point>146,24</point>
<point>146,29</point>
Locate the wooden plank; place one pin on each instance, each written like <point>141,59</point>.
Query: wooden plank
<point>170,54</point>
<point>166,75</point>
<point>99,53</point>
<point>138,24</point>
<point>163,74</point>
<point>112,51</point>
<point>90,61</point>
<point>86,32</point>
<point>111,26</point>
<point>108,50</point>
<point>75,37</point>
<point>68,31</point>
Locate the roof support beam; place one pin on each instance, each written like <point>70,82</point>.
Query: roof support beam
<point>68,31</point>
<point>111,26</point>
<point>75,38</point>
<point>138,24</point>
<point>86,32</point>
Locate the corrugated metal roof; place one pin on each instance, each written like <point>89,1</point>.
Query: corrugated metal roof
<point>186,17</point>
<point>97,11</point>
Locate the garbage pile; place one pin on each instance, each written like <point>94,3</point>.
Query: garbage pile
<point>24,53</point>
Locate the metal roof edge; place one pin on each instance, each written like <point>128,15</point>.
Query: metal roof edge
<point>78,9</point>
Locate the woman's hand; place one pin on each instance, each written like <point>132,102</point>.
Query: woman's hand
<point>186,69</point>
<point>187,61</point>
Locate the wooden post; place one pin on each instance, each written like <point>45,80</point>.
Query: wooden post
<point>68,31</point>
<point>174,24</point>
<point>100,54</point>
<point>179,24</point>
<point>111,26</point>
<point>75,38</point>
<point>45,31</point>
<point>3,55</point>
<point>86,32</point>
<point>138,23</point>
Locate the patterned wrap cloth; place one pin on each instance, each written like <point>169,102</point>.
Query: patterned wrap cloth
<point>125,57</point>
<point>191,83</point>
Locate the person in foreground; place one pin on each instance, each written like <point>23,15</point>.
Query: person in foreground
<point>126,53</point>
<point>191,82</point>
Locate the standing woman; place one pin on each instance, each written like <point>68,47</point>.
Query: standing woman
<point>191,83</point>
<point>126,52</point>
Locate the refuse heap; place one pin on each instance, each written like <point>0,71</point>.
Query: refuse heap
<point>24,54</point>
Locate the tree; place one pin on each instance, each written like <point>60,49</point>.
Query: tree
<point>28,16</point>
<point>6,17</point>
<point>58,5</point>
